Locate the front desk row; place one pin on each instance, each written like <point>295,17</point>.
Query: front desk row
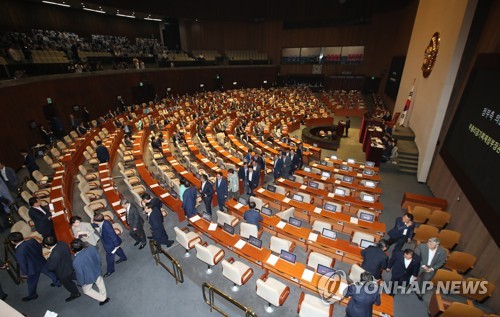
<point>270,289</point>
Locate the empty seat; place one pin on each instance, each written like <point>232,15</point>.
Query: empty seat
<point>420,214</point>
<point>357,236</point>
<point>41,179</point>
<point>315,258</point>
<point>280,190</point>
<point>443,275</point>
<point>108,215</point>
<point>248,229</point>
<point>286,214</point>
<point>424,232</point>
<point>318,226</point>
<point>313,306</point>
<point>237,272</point>
<point>460,261</point>
<point>299,179</point>
<point>26,230</point>
<point>271,290</point>
<point>36,191</point>
<point>51,163</point>
<point>88,175</point>
<point>94,205</point>
<point>187,239</point>
<point>443,308</point>
<point>439,219</point>
<point>478,295</point>
<point>223,218</point>
<point>449,238</point>
<point>277,244</point>
<point>89,159</point>
<point>209,254</point>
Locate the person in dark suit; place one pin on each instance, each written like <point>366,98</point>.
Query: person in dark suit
<point>31,263</point>
<point>278,166</point>
<point>243,175</point>
<point>9,177</point>
<point>432,258</point>
<point>287,164</point>
<point>363,296</point>
<point>347,126</point>
<point>111,243</point>
<point>29,162</point>
<point>221,190</point>
<point>155,201</point>
<point>135,223</point>
<point>102,152</point>
<point>207,192</point>
<point>402,232</point>
<point>87,265</point>
<point>73,122</point>
<point>300,154</point>
<point>252,216</point>
<point>294,158</point>
<point>253,178</point>
<point>155,219</point>
<point>189,200</point>
<point>374,259</point>
<point>42,217</point>
<point>404,267</point>
<point>82,130</point>
<point>60,262</point>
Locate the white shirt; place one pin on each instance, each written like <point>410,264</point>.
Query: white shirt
<point>432,253</point>
<point>407,262</point>
<point>41,209</point>
<point>4,174</point>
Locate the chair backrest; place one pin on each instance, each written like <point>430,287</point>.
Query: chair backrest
<point>182,238</point>
<point>355,273</point>
<point>87,156</point>
<point>312,306</point>
<point>321,185</point>
<point>118,228</point>
<point>286,214</point>
<point>206,254</point>
<point>55,152</point>
<point>449,238</point>
<point>82,170</point>
<point>37,176</point>
<point>32,186</point>
<point>89,212</point>
<point>318,226</point>
<point>22,227</point>
<point>460,261</point>
<point>315,258</point>
<point>74,135</point>
<point>420,214</point>
<point>357,236</point>
<point>280,190</point>
<point>307,197</point>
<point>232,272</point>
<point>443,275</point>
<point>61,146</point>
<point>271,290</point>
<point>258,202</point>
<point>278,244</point>
<point>439,219</point>
<point>478,295</point>
<point>48,160</point>
<point>248,229</point>
<point>457,309</point>
<point>67,139</point>
<point>223,218</point>
<point>299,179</point>
<point>424,232</point>
<point>85,199</point>
<point>23,212</point>
<point>83,187</point>
<point>26,196</point>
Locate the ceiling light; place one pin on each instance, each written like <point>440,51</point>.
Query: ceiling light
<point>152,19</point>
<point>94,10</point>
<point>57,3</point>
<point>125,15</point>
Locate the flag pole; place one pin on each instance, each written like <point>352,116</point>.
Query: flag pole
<point>404,114</point>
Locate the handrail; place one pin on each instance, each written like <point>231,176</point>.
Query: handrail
<point>212,290</point>
<point>12,269</point>
<point>175,271</point>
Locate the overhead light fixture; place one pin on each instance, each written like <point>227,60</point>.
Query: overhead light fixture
<point>125,16</point>
<point>57,3</point>
<point>152,19</point>
<point>94,10</point>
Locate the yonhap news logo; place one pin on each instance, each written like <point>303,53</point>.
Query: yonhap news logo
<point>332,287</point>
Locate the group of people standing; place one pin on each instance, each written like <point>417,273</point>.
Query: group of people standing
<point>287,162</point>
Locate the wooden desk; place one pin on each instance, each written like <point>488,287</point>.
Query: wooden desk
<point>291,272</point>
<point>340,221</point>
<point>433,203</point>
<point>61,215</point>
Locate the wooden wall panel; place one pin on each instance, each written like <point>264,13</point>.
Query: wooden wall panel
<point>475,236</point>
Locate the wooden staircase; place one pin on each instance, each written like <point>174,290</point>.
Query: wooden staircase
<point>407,159</point>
